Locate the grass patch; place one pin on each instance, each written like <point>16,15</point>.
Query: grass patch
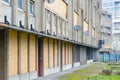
<point>73,77</point>
<point>92,72</point>
<point>83,74</point>
<point>104,77</point>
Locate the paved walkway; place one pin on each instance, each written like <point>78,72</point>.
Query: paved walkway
<point>56,75</point>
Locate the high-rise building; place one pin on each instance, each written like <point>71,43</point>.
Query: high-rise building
<point>113,7</point>
<point>106,30</point>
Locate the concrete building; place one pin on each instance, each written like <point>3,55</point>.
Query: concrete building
<point>113,7</point>
<point>106,32</point>
<point>38,39</point>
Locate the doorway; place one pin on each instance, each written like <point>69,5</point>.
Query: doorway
<point>3,59</point>
<point>40,57</point>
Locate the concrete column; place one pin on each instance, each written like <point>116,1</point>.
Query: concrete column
<point>70,19</point>
<point>89,20</point>
<point>38,14</point>
<point>57,26</point>
<point>59,55</point>
<point>51,22</point>
<point>42,15</point>
<point>73,55</point>
<point>14,4</point>
<point>27,13</point>
<point>80,23</point>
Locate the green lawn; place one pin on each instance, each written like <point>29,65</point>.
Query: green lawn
<point>104,77</point>
<point>92,72</point>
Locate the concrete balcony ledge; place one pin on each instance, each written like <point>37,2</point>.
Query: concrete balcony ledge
<point>5,26</point>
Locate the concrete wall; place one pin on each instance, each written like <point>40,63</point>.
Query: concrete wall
<point>6,11</point>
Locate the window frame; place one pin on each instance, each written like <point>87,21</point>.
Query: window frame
<point>8,1</point>
<point>20,8</point>
<point>31,5</point>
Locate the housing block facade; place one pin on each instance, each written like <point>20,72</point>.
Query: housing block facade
<point>38,37</point>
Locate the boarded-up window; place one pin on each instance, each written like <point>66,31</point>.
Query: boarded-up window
<point>59,6</point>
<point>75,18</point>
<point>85,26</point>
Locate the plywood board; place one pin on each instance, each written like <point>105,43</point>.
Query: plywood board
<point>63,53</point>
<point>24,52</point>
<point>66,52</point>
<point>75,19</point>
<point>51,52</point>
<point>45,45</point>
<point>32,54</point>
<point>59,6</point>
<point>13,53</point>
<point>85,26</point>
<point>56,53</point>
<point>70,50</point>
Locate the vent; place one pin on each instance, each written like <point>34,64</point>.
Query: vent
<point>5,20</point>
<point>67,38</point>
<point>48,33</point>
<point>20,24</point>
<point>31,27</point>
<point>64,37</point>
<point>43,32</point>
<point>54,34</point>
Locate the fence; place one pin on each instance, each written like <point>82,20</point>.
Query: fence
<point>108,57</point>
